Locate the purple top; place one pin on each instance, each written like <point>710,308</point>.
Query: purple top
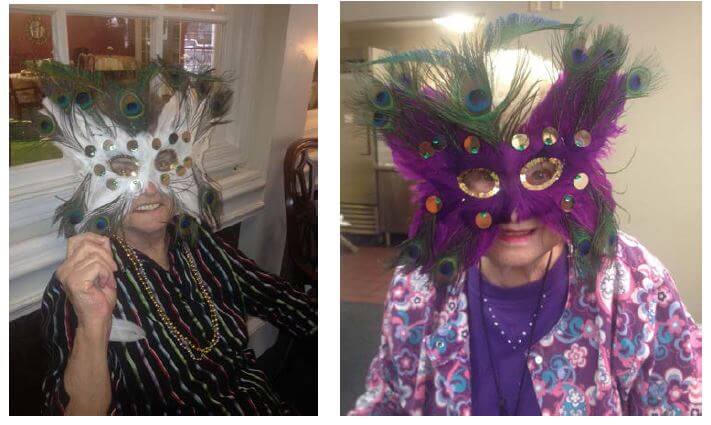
<point>508,315</point>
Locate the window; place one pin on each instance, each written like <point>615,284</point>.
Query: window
<point>191,44</point>
<point>114,45</point>
<point>31,41</point>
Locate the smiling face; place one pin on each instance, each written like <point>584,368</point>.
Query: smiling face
<point>521,243</point>
<point>150,212</point>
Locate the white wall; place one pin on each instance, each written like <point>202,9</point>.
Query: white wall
<point>263,236</point>
<point>662,186</point>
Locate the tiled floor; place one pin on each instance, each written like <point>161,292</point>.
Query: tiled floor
<point>365,276</point>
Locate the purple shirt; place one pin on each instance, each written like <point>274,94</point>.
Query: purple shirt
<point>508,313</point>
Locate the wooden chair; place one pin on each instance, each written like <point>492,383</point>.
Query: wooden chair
<point>301,199</point>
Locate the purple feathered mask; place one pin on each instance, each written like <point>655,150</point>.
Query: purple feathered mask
<point>477,152</point>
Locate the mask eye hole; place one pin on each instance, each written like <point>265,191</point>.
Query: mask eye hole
<point>541,173</point>
<point>479,183</point>
<point>124,165</point>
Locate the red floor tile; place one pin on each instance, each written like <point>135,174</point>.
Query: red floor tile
<point>365,276</point>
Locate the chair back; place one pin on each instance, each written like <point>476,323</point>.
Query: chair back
<point>301,199</point>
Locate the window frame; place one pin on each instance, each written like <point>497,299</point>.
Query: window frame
<point>36,188</point>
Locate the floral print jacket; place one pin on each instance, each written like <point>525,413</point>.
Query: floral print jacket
<point>628,347</point>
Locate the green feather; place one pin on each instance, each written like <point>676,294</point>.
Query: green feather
<point>508,28</point>
<point>70,213</point>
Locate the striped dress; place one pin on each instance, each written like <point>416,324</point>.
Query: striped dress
<point>154,376</point>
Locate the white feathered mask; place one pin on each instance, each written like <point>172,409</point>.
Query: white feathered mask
<point>124,136</point>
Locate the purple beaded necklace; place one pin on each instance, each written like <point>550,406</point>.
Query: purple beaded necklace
<point>483,302</point>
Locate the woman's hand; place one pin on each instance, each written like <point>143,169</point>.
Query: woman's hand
<point>87,276</point>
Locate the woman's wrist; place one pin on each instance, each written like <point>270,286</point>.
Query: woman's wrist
<point>95,333</point>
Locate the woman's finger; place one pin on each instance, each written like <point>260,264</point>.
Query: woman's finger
<point>75,241</point>
<point>88,265</point>
<point>89,248</point>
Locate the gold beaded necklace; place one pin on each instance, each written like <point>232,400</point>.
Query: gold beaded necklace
<point>196,352</point>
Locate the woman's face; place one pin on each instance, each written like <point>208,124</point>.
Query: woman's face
<point>521,243</point>
<point>151,211</point>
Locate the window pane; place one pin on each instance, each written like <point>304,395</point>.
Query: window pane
<point>113,45</point>
<point>194,45</point>
<point>30,40</point>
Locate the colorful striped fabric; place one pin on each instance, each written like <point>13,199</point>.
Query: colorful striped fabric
<point>154,376</point>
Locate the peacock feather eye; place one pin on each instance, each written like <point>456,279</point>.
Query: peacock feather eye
<point>131,105</point>
<point>412,252</point>
<point>445,271</point>
<point>209,197</point>
<point>185,222</point>
<point>472,144</point>
<point>173,138</point>
<point>383,99</point>
<point>638,81</point>
<point>75,217</point>
<point>100,225</point>
<point>578,55</point>
<point>45,125</point>
<point>477,101</point>
<point>84,100</point>
<point>584,247</point>
<point>62,100</point>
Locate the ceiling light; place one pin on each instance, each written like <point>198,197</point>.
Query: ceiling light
<point>458,22</point>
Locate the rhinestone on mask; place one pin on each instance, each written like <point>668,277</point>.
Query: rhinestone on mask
<point>549,136</point>
<point>472,144</point>
<point>583,139</point>
<point>567,203</point>
<point>90,151</point>
<point>99,170</point>
<point>581,181</point>
<point>520,142</point>
<point>483,220</point>
<point>433,204</point>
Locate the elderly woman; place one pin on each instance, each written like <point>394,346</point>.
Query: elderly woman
<point>147,312</point>
<point>516,294</point>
